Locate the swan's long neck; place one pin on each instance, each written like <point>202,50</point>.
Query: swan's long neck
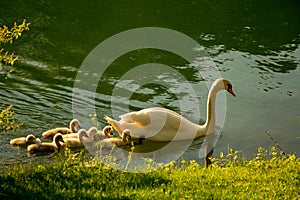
<point>209,126</point>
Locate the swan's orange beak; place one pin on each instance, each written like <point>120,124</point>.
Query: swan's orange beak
<point>231,91</point>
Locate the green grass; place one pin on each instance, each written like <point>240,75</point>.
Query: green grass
<point>263,177</point>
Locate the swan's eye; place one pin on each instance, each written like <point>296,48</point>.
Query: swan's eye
<point>229,86</point>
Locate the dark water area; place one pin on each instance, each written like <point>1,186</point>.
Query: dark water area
<point>254,44</point>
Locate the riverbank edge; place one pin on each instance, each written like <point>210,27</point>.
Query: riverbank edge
<point>267,175</point>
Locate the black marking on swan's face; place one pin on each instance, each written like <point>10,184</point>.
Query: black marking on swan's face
<point>229,89</point>
<point>229,86</point>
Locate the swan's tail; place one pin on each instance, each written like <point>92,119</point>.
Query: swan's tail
<point>108,119</point>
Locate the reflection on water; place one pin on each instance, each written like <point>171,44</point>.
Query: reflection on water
<point>283,61</point>
<point>133,159</point>
<point>159,153</point>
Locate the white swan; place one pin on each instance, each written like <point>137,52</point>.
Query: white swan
<point>25,141</point>
<point>74,125</point>
<point>160,124</point>
<point>46,147</point>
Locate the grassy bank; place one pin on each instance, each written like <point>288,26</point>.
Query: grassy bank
<point>228,178</point>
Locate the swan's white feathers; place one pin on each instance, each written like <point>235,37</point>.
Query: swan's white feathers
<point>161,124</point>
<point>158,124</point>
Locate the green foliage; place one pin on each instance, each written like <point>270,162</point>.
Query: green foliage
<point>276,144</point>
<point>7,121</point>
<point>231,159</point>
<point>74,177</point>
<point>8,35</point>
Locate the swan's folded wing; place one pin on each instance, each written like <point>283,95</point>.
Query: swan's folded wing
<point>156,116</point>
<point>126,117</point>
<point>141,119</point>
<point>165,110</point>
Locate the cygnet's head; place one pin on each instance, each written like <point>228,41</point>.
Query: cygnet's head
<point>58,138</point>
<point>107,130</point>
<point>30,137</point>
<point>75,124</point>
<point>82,133</point>
<point>92,131</point>
<point>126,135</point>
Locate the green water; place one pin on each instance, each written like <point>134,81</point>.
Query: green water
<point>254,44</point>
